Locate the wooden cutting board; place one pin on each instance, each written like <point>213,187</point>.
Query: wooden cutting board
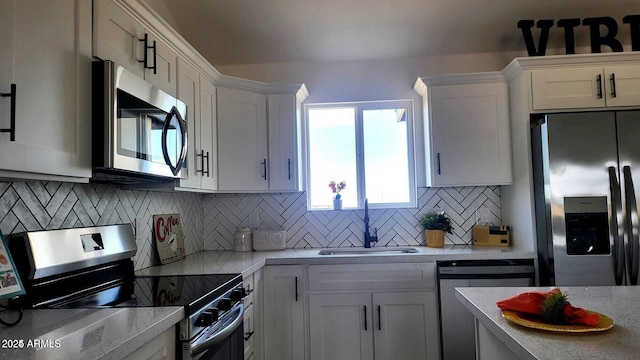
<point>169,239</point>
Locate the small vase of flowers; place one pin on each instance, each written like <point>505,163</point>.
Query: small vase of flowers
<point>336,188</point>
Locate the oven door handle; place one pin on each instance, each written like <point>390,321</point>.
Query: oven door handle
<point>222,334</point>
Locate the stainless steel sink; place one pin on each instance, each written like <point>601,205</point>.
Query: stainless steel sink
<point>368,251</point>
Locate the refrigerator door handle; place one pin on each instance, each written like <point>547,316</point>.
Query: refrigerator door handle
<point>618,231</point>
<point>631,225</point>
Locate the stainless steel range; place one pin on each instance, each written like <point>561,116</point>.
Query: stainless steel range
<point>93,268</point>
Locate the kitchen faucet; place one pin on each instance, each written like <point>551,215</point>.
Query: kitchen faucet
<point>368,238</point>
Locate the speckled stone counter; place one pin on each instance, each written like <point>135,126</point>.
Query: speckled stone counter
<point>90,334</point>
<point>114,333</point>
<point>620,303</point>
<point>211,262</point>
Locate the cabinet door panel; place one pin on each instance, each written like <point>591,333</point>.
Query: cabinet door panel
<point>165,61</point>
<point>469,135</point>
<point>7,9</point>
<point>283,313</point>
<point>575,88</point>
<point>406,326</point>
<point>116,37</point>
<point>53,106</point>
<point>242,140</point>
<point>282,143</point>
<point>341,326</point>
<point>622,85</point>
<point>189,93</point>
<point>208,133</point>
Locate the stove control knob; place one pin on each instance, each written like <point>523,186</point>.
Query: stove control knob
<point>207,317</point>
<point>224,304</point>
<point>238,294</point>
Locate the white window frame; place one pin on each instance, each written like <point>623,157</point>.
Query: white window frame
<point>360,107</point>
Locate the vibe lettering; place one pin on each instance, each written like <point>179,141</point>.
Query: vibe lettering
<point>602,32</point>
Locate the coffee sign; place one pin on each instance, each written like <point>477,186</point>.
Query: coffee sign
<point>167,230</point>
<point>602,31</point>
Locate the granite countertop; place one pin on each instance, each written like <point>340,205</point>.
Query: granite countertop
<point>84,333</point>
<point>620,303</point>
<point>114,333</point>
<point>211,262</point>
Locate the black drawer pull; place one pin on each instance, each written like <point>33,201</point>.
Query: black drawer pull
<point>248,335</point>
<point>12,119</point>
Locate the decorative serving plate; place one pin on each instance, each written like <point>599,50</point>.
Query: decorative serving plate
<point>604,323</point>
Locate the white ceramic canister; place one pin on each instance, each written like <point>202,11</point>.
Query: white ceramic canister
<point>242,239</point>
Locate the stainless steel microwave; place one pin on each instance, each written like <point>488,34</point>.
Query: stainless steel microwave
<point>138,129</point>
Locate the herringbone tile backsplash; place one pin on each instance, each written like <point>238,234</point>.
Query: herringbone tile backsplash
<point>37,205</point>
<point>209,221</point>
<point>223,213</point>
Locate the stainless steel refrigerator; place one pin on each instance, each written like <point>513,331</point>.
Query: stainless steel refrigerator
<point>586,170</point>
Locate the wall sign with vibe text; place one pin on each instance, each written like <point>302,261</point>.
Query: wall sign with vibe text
<point>603,31</point>
<point>167,230</point>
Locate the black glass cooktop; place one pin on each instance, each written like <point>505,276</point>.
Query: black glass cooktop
<point>190,291</point>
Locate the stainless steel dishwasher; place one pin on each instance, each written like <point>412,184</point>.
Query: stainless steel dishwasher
<point>457,330</point>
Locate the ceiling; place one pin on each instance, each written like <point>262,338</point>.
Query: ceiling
<point>232,32</point>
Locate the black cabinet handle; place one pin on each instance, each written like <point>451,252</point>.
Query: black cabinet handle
<point>264,168</point>
<point>296,288</point>
<point>207,172</point>
<point>12,119</point>
<point>248,335</point>
<point>365,318</point>
<point>379,319</point>
<point>438,160</point>
<point>289,168</point>
<point>201,156</point>
<point>613,85</point>
<point>145,59</point>
<point>155,58</point>
<point>599,82</point>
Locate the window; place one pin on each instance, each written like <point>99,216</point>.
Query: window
<point>367,145</point>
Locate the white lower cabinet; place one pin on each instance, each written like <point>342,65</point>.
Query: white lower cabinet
<point>391,325</point>
<point>340,326</point>
<point>162,347</point>
<point>350,311</point>
<point>283,312</point>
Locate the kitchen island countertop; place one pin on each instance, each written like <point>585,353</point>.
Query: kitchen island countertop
<point>620,303</point>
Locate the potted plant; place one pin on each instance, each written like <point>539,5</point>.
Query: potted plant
<point>336,188</point>
<point>435,224</point>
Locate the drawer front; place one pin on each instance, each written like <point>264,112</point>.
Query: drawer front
<point>372,276</point>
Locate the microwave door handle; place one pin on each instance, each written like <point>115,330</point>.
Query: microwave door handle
<point>183,152</point>
<point>631,222</point>
<point>616,229</point>
<point>175,169</point>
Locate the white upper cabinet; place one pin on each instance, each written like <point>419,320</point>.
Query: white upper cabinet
<point>119,37</point>
<point>208,136</point>
<point>585,87</point>
<point>283,150</point>
<point>47,55</point>
<point>242,140</point>
<point>258,136</point>
<point>467,135</point>
<point>199,95</point>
